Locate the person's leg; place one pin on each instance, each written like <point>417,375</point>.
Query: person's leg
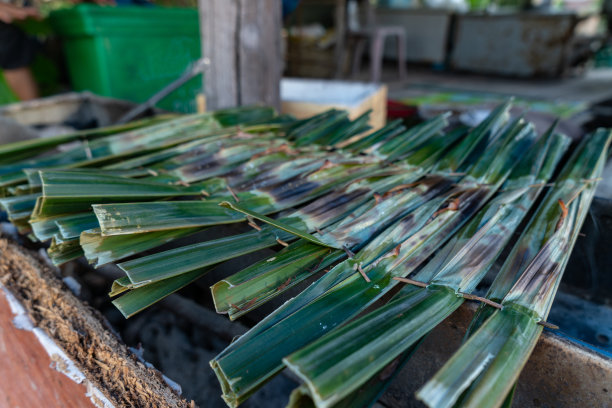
<point>17,52</point>
<point>22,82</point>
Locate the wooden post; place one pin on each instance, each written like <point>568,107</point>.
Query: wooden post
<point>242,41</point>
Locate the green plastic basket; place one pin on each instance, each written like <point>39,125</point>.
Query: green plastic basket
<point>131,52</point>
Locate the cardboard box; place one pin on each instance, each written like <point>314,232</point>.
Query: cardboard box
<point>306,97</point>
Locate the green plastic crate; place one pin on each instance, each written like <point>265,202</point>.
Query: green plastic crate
<point>131,52</point>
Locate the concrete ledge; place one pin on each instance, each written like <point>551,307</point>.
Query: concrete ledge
<point>81,332</point>
<point>559,374</point>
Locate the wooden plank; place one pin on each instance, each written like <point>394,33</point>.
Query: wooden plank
<point>259,53</point>
<point>340,28</point>
<point>242,41</point>
<point>219,43</point>
<point>28,379</point>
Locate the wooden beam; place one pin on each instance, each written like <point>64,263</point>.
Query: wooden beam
<point>242,41</point>
<point>259,55</point>
<point>217,28</point>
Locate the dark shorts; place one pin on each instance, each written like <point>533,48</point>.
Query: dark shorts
<point>17,50</point>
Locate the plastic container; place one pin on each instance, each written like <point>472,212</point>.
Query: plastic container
<point>131,52</point>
